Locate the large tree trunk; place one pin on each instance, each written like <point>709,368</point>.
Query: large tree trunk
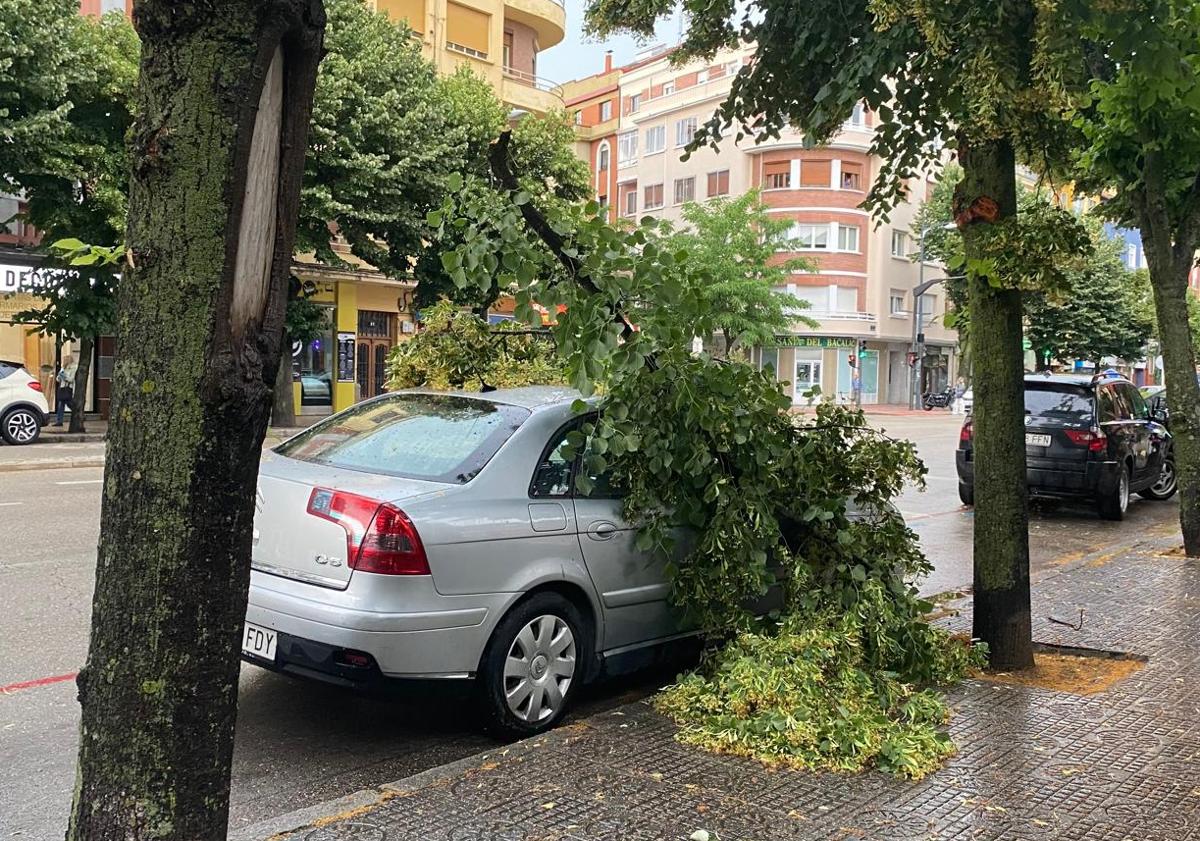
<point>79,387</point>
<point>224,99</point>
<point>1170,262</point>
<point>986,196</point>
<point>283,407</point>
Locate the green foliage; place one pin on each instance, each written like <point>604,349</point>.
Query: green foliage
<point>66,93</point>
<point>736,241</point>
<point>821,692</point>
<point>456,349</point>
<point>76,291</point>
<point>305,321</point>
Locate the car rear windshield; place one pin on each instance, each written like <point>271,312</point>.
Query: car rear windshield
<point>1059,402</point>
<point>7,368</point>
<point>442,438</point>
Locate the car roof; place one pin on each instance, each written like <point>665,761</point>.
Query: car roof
<point>532,397</point>
<point>1081,380</point>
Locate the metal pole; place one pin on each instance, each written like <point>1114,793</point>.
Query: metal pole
<point>915,372</point>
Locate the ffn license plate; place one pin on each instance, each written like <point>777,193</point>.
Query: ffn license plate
<point>259,642</point>
<point>1037,440</point>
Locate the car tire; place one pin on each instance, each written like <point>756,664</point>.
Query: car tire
<point>533,666</point>
<point>1115,503</point>
<point>966,493</point>
<point>1166,485</point>
<point>20,426</point>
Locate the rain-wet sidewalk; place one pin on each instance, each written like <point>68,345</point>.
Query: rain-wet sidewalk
<point>1032,764</point>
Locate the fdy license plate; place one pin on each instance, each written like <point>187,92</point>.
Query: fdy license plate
<point>259,642</point>
<point>1036,440</point>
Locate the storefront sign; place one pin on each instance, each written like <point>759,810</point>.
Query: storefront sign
<point>816,341</point>
<point>345,356</point>
<point>10,305</point>
<point>15,278</point>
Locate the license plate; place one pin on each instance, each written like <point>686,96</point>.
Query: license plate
<point>1037,440</point>
<point>259,642</point>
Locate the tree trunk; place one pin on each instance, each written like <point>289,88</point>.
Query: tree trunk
<point>224,99</point>
<point>79,388</point>
<point>283,408</point>
<point>1169,280</point>
<point>1001,546</point>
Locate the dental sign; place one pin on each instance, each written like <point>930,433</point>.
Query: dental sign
<point>17,279</point>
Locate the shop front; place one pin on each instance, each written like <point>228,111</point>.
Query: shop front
<point>812,368</point>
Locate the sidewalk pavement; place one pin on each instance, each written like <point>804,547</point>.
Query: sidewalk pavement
<point>57,449</point>
<point>1123,764</point>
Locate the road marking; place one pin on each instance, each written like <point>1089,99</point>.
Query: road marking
<point>81,482</point>
<point>34,684</point>
<point>4,504</point>
<point>909,516</point>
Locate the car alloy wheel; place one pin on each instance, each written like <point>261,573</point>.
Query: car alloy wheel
<point>20,426</point>
<point>1123,491</point>
<point>539,668</point>
<point>1165,487</point>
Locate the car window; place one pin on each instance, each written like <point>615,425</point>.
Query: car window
<point>1121,403</point>
<point>1136,401</point>
<point>599,483</point>
<point>439,437</point>
<point>552,476</point>
<point>7,368</point>
<point>1060,402</point>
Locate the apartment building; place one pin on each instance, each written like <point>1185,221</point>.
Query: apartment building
<point>860,287</point>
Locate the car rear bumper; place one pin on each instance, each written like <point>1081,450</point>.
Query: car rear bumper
<point>437,637</point>
<point>1096,477</point>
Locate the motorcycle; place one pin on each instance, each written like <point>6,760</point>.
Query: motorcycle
<point>940,400</point>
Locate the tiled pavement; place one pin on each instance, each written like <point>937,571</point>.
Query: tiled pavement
<point>1033,764</point>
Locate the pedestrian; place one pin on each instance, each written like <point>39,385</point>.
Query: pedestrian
<point>960,388</point>
<point>64,389</point>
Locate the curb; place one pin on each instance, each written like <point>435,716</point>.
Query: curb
<point>365,800</point>
<point>51,464</point>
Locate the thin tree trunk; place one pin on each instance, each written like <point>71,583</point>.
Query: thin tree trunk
<point>224,99</point>
<point>79,388</point>
<point>1169,280</point>
<point>986,196</point>
<point>283,408</point>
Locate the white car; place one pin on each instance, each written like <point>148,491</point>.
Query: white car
<point>968,400</point>
<point>23,408</point>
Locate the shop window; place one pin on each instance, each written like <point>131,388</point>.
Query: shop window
<point>312,366</point>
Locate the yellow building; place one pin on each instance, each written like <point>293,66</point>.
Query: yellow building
<point>498,39</point>
<point>368,312</point>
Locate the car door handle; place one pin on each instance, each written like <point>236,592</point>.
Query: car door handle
<point>602,530</point>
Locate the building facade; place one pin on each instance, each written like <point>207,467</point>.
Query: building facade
<point>864,272</point>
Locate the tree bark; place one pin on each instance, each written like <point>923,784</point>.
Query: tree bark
<point>283,407</point>
<point>224,99</point>
<point>79,387</point>
<point>987,196</point>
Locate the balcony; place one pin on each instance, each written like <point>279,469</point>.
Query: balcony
<point>529,92</point>
<point>547,17</point>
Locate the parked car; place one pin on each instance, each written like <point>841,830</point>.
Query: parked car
<point>968,400</point>
<point>1156,401</point>
<point>1085,438</point>
<point>439,536</point>
<point>23,408</point>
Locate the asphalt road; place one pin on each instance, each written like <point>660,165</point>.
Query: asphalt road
<point>300,743</point>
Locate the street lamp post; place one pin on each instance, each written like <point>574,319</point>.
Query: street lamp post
<point>918,342</point>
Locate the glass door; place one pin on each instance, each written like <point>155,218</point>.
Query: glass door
<point>808,376</point>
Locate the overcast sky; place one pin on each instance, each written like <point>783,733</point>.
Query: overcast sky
<point>575,57</point>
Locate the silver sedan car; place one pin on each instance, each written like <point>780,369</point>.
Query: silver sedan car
<point>440,536</point>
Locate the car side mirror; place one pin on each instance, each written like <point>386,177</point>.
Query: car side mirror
<point>1159,415</point>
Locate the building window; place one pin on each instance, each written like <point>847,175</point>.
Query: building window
<point>685,190</point>
<point>654,197</point>
<point>718,183</point>
<point>732,67</point>
<point>602,157</point>
<point>656,139</point>
<point>846,298</point>
<point>668,88</point>
<point>606,110</point>
<point>602,201</point>
<point>858,118</point>
<point>777,175</point>
<point>809,237</point>
<point>627,148</point>
<point>900,243</point>
<point>928,305</point>
<point>508,49</point>
<point>578,118</point>
<point>815,173</point>
<point>635,102</point>
<point>847,238</point>
<point>107,6</point>
<point>685,130</point>
<point>702,77</point>
<point>631,202</point>
<point>896,302</point>
<point>467,30</point>
<point>851,176</point>
<point>1131,256</point>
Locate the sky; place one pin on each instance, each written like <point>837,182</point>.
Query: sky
<point>575,57</point>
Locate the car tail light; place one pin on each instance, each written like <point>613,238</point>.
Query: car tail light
<point>1093,439</point>
<point>35,385</point>
<point>966,433</point>
<point>379,536</point>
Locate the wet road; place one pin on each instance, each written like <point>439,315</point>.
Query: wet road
<point>301,743</point>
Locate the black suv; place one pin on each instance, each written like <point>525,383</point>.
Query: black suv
<point>1086,437</point>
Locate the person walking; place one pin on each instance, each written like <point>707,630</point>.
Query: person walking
<point>960,388</point>
<point>64,389</point>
